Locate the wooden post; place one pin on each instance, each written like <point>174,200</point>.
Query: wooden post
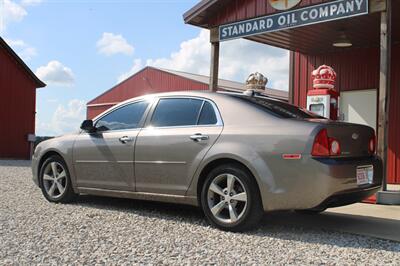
<point>214,62</point>
<point>384,89</point>
<point>291,77</point>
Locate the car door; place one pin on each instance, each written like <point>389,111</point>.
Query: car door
<point>169,149</point>
<point>105,158</point>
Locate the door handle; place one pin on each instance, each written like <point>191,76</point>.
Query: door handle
<point>199,137</point>
<point>125,139</point>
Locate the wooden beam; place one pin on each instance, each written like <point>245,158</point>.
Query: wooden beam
<point>291,77</point>
<point>377,6</point>
<point>214,35</point>
<point>214,64</point>
<point>384,89</point>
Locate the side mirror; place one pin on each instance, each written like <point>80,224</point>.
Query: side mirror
<point>87,125</point>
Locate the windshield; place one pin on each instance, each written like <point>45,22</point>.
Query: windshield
<point>278,108</point>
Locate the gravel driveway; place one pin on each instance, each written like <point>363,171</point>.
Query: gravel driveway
<point>117,231</point>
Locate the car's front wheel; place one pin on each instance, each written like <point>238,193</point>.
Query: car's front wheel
<point>230,198</point>
<point>55,181</point>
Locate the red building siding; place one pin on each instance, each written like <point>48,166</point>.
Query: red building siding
<point>356,69</point>
<point>147,81</point>
<point>241,10</point>
<point>17,108</point>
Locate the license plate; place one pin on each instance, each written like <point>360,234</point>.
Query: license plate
<point>365,174</point>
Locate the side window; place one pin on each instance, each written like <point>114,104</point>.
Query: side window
<point>207,115</point>
<point>126,117</point>
<point>176,112</point>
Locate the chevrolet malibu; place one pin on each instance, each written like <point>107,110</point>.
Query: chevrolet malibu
<point>234,155</point>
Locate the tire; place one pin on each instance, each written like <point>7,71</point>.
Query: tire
<point>56,189</point>
<point>232,212</point>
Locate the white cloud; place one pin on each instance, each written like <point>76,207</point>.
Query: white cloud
<point>193,56</point>
<point>65,119</point>
<point>137,65</point>
<point>55,73</point>
<point>30,2</point>
<point>238,58</point>
<point>10,12</point>
<point>110,44</point>
<point>25,51</point>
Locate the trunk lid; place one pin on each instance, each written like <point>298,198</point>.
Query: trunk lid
<point>353,138</point>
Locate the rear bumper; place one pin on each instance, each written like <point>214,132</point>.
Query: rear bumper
<point>342,188</point>
<point>347,197</point>
<point>313,183</point>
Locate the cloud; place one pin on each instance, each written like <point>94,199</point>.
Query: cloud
<point>66,119</point>
<point>238,58</point>
<point>10,12</point>
<point>55,73</point>
<point>137,65</point>
<point>25,51</point>
<point>111,44</point>
<point>30,2</point>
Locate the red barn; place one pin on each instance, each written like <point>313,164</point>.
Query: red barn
<point>360,39</point>
<point>152,80</point>
<point>17,104</point>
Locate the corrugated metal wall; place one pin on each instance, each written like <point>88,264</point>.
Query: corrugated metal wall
<point>356,69</point>
<point>93,111</point>
<point>149,80</point>
<point>241,10</point>
<point>17,108</point>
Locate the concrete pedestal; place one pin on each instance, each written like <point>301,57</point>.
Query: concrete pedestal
<point>388,197</point>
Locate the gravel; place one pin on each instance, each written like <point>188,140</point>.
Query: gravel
<point>118,231</point>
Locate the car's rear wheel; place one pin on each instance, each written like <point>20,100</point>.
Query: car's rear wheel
<point>230,198</point>
<point>55,180</point>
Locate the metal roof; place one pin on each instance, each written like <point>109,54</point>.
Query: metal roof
<point>10,51</point>
<point>223,84</point>
<point>226,84</point>
<point>197,15</point>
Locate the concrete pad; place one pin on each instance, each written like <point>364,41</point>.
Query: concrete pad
<point>379,221</point>
<point>369,210</point>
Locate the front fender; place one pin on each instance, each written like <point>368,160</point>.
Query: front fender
<point>62,146</point>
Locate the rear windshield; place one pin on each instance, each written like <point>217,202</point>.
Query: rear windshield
<point>278,108</point>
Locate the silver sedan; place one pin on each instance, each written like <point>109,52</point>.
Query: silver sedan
<point>234,155</point>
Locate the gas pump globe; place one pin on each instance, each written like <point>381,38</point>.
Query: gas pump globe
<point>323,99</point>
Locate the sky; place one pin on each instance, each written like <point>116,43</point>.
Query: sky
<point>80,48</point>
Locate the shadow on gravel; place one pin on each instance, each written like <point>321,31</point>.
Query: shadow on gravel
<point>318,229</point>
<point>150,209</point>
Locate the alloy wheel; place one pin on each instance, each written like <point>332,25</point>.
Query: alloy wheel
<point>227,198</point>
<point>54,180</point>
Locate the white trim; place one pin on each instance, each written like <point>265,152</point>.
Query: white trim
<point>101,104</point>
<point>161,162</point>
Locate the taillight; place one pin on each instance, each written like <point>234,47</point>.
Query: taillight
<point>372,145</point>
<point>334,147</point>
<point>324,146</point>
<point>321,144</point>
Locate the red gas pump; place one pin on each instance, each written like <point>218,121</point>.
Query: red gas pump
<point>323,99</point>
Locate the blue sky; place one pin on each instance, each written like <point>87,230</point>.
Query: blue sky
<point>82,48</point>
